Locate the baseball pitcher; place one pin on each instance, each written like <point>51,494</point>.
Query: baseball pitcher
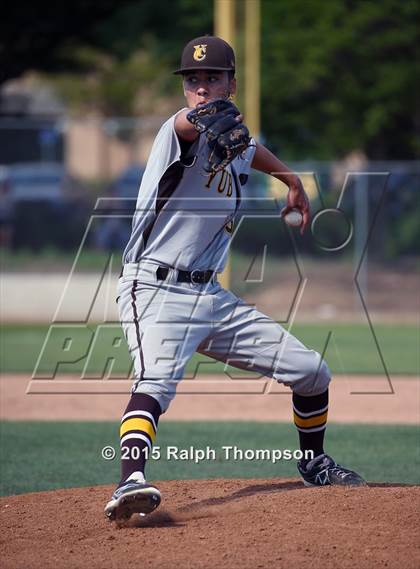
<point>170,302</point>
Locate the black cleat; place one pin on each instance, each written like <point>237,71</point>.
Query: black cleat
<point>324,471</point>
<point>132,498</point>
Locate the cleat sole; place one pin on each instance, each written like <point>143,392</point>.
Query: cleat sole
<point>141,502</point>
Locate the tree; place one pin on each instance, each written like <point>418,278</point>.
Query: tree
<point>339,76</point>
<point>116,56</point>
<point>336,76</point>
<point>41,35</point>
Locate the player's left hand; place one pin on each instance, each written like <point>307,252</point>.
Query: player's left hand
<point>297,199</point>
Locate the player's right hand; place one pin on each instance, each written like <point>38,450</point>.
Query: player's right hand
<point>297,199</point>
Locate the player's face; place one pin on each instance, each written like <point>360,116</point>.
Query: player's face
<point>202,86</point>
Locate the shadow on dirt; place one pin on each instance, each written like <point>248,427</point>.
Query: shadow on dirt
<point>228,504</point>
<point>211,507</point>
<point>247,491</point>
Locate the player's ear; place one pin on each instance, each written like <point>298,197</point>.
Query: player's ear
<point>232,86</point>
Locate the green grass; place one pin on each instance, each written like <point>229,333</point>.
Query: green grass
<point>51,259</point>
<point>46,455</point>
<point>351,349</point>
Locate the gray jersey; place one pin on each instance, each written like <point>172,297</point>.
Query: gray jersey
<point>184,216</point>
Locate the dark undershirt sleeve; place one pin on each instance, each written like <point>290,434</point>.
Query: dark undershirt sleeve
<point>185,146</point>
<point>188,151</point>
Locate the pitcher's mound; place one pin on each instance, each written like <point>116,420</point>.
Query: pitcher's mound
<point>217,523</point>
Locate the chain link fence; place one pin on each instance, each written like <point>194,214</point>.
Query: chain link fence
<point>53,170</point>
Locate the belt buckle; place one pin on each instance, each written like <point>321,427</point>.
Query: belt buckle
<point>200,278</point>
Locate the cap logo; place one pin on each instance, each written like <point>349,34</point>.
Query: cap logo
<point>200,52</point>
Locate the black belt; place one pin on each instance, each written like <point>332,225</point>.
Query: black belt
<point>195,277</point>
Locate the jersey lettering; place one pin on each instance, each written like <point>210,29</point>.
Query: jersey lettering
<point>225,181</point>
<point>229,227</point>
<point>170,208</point>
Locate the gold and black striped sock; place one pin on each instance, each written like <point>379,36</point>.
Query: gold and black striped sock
<point>310,416</point>
<point>138,433</point>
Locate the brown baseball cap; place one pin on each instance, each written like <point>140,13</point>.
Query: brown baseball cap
<point>207,52</point>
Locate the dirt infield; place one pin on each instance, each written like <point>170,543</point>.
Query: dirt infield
<point>217,523</point>
<point>352,400</point>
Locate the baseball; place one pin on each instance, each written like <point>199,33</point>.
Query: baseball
<point>293,218</point>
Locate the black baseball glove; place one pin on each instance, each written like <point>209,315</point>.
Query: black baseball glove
<point>226,137</point>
